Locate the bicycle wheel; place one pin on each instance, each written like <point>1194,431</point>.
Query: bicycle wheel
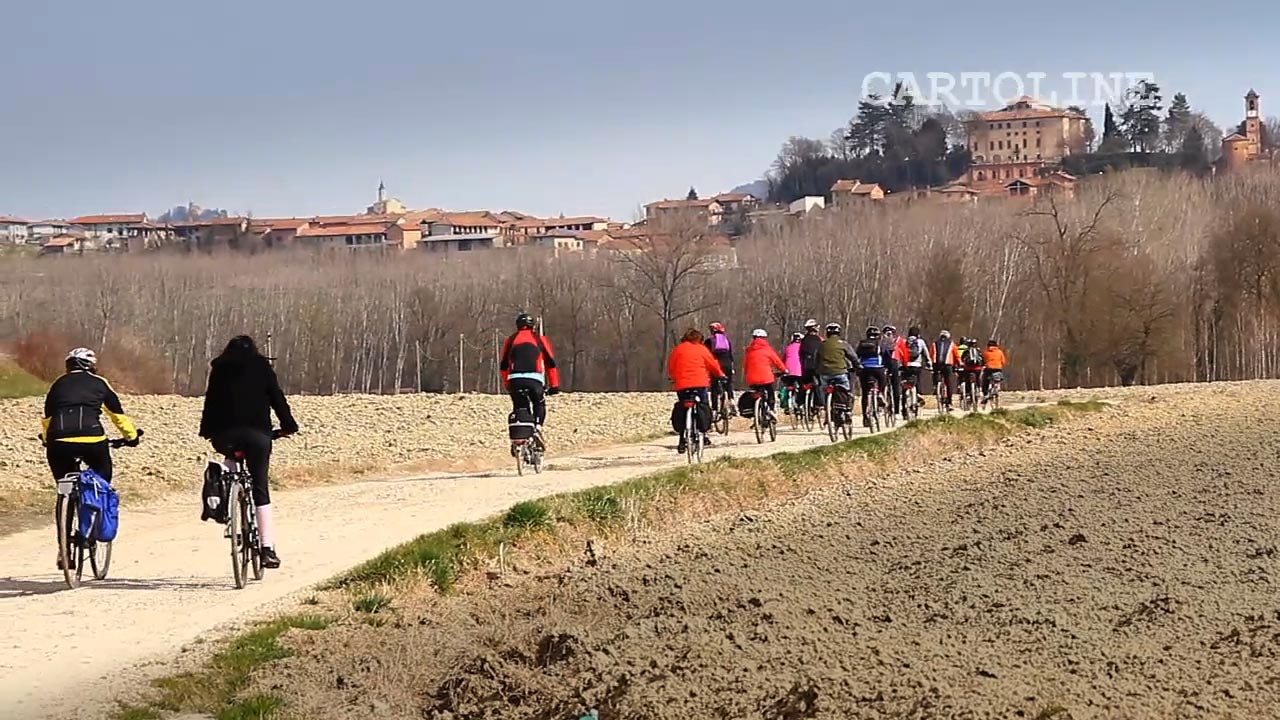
<point>995,396</point>
<point>691,436</point>
<point>830,420</point>
<point>535,460</point>
<point>873,413</point>
<point>63,516</point>
<point>773,429</point>
<point>758,422</point>
<point>796,420</point>
<point>235,528</point>
<point>846,425</point>
<point>99,559</point>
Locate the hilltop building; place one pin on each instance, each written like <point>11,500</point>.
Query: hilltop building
<point>1022,140</point>
<point>1239,149</point>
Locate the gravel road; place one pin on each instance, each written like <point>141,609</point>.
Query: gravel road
<point>171,579</point>
<point>1124,565</point>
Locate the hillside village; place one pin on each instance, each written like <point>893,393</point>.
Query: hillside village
<point>1016,152</point>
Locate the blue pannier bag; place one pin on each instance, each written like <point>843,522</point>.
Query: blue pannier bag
<point>99,508</point>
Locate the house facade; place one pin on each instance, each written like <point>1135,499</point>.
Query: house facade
<point>41,230</point>
<point>848,193</point>
<point>1020,141</point>
<point>220,233</point>
<point>14,231</point>
<point>109,229</point>
<point>349,235</point>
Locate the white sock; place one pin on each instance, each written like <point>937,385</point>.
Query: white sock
<point>266,533</point>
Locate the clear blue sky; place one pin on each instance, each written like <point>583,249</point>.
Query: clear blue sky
<point>298,107</point>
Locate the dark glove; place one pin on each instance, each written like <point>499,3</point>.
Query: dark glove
<point>553,391</point>
<point>135,441</point>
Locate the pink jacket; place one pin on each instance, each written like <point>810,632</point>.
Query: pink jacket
<point>791,358</point>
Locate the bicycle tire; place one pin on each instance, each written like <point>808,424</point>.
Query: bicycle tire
<point>235,519</point>
<point>832,430</point>
<point>62,514</point>
<point>535,460</point>
<point>99,554</point>
<point>691,436</point>
<point>796,421</point>
<point>757,423</point>
<point>873,413</point>
<point>773,429</point>
<point>253,540</point>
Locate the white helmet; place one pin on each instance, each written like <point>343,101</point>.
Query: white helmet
<point>759,333</point>
<point>81,359</point>
<point>810,324</point>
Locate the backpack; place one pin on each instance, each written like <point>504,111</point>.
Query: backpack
<point>214,495</point>
<point>915,347</point>
<point>99,508</point>
<point>720,343</point>
<point>972,357</point>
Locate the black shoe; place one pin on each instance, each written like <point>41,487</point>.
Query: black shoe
<point>73,561</point>
<point>706,441</point>
<point>270,559</point>
<point>683,447</point>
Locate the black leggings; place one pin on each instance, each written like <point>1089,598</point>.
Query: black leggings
<point>65,458</point>
<point>537,393</point>
<point>256,446</point>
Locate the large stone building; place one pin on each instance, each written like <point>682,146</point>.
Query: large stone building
<point>1021,141</point>
<point>1240,149</point>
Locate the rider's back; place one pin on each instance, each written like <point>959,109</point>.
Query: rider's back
<point>74,406</point>
<point>833,358</point>
<point>243,390</point>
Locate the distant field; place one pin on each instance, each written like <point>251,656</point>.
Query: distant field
<point>18,383</point>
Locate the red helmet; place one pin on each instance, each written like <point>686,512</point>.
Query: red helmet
<point>717,327</point>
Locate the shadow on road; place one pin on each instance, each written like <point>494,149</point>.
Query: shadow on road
<point>11,587</point>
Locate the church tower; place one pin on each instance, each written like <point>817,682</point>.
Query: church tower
<point>1253,123</point>
<point>382,192</point>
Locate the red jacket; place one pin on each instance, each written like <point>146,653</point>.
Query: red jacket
<point>530,356</point>
<point>901,352</point>
<point>761,361</point>
<point>692,366</point>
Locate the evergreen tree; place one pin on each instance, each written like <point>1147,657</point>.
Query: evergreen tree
<point>1195,156</point>
<point>1112,140</point>
<point>1140,121</point>
<point>693,194</point>
<point>1177,123</point>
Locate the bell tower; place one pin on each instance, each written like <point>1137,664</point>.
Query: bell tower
<point>1253,121</point>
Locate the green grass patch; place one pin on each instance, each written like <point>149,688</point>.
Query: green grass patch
<point>213,690</point>
<point>18,383</point>
<point>602,506</point>
<point>527,515</point>
<point>372,603</point>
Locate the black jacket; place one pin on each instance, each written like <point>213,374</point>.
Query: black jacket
<point>74,406</point>
<point>243,390</point>
<point>810,346</point>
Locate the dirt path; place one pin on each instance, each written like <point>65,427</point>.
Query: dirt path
<point>171,583</point>
<point>1120,566</point>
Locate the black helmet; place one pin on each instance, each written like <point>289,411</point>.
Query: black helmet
<point>524,321</point>
<point>992,343</point>
<point>889,329</point>
<point>913,332</point>
<point>833,329</point>
<point>873,333</point>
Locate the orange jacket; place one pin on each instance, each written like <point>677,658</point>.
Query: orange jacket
<point>901,352</point>
<point>529,355</point>
<point>760,363</point>
<point>692,366</point>
<point>995,358</point>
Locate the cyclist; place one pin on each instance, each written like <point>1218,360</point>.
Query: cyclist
<point>893,344</point>
<point>995,360</point>
<point>973,363</point>
<point>917,358</point>
<point>72,423</point>
<point>761,365</point>
<point>835,360</point>
<point>528,367</point>
<point>692,367</point>
<point>243,390</point>
<point>873,365</point>
<point>791,357</point>
<point>722,349</point>
<point>946,358</point>
<point>810,347</point>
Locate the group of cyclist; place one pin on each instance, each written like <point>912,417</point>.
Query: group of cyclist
<point>826,362</point>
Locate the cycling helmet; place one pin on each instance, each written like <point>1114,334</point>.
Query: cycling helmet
<point>524,321</point>
<point>889,329</point>
<point>797,337</point>
<point>759,333</point>
<point>82,359</point>
<point>873,333</point>
<point>913,332</point>
<point>945,334</point>
<point>992,342</point>
<point>717,327</point>
<point>833,329</point>
<point>810,324</point>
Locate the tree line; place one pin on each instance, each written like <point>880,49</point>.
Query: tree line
<point>1142,278</point>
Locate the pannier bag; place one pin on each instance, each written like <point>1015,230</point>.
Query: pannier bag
<point>99,508</point>
<point>841,398</point>
<point>703,414</point>
<point>520,425</point>
<point>747,404</point>
<point>214,495</point>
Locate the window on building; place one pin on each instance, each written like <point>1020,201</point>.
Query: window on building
<point>1024,123</point>
<point>1024,143</point>
<point>464,245</point>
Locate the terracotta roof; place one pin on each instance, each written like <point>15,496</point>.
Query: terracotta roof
<point>61,241</point>
<point>734,197</point>
<point>213,222</point>
<point>11,220</point>
<point>1235,138</point>
<point>558,222</point>
<point>341,230</point>
<point>110,219</point>
<point>681,204</point>
<point>857,187</point>
<point>278,223</point>
<point>59,223</point>
<point>471,218</point>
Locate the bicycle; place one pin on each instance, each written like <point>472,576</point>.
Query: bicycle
<point>242,518</point>
<point>66,516</point>
<point>968,393</point>
<point>838,420</point>
<point>763,421</point>
<point>942,389</point>
<point>876,412</point>
<point>910,400</point>
<point>720,406</point>
<point>808,407</point>
<point>993,391</point>
<point>529,451</point>
<point>692,437</point>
